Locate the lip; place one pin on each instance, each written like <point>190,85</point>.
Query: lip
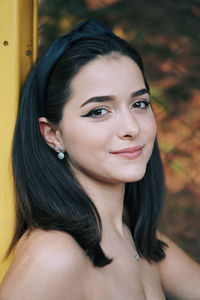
<point>129,153</point>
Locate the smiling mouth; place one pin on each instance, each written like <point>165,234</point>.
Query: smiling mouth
<point>129,153</point>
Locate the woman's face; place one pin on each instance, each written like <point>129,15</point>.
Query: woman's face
<point>108,127</point>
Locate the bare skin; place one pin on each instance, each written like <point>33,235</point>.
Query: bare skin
<point>51,265</point>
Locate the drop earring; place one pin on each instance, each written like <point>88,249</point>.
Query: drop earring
<point>61,155</point>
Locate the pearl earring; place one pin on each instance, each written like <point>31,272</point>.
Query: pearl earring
<point>61,155</point>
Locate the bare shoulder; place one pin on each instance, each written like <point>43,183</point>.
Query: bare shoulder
<point>50,249</point>
<point>44,259</point>
<point>179,274</point>
<point>40,244</point>
<point>175,257</point>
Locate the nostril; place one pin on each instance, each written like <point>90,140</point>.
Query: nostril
<point>127,135</point>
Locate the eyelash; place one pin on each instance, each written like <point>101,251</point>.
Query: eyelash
<point>91,114</point>
<point>145,102</point>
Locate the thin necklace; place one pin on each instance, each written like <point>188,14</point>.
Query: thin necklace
<point>137,256</point>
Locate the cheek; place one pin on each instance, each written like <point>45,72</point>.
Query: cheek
<point>149,127</point>
<point>82,137</point>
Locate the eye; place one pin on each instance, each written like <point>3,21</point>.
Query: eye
<point>142,104</point>
<point>96,113</point>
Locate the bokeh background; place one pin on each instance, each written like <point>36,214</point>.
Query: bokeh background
<point>166,34</point>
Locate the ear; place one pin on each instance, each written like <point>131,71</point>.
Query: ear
<point>50,133</point>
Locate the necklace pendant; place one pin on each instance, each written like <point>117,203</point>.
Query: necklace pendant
<point>137,256</point>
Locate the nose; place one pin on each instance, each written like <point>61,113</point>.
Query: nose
<point>128,127</point>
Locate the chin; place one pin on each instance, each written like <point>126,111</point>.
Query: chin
<point>135,179</point>
<point>132,177</point>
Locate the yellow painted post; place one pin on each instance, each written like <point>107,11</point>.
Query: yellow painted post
<point>18,50</point>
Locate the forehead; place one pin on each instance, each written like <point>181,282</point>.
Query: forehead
<point>107,74</point>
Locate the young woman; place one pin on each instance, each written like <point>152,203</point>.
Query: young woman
<point>89,180</point>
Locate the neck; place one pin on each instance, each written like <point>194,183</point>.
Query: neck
<point>108,199</point>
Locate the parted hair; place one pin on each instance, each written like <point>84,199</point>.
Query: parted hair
<point>48,196</point>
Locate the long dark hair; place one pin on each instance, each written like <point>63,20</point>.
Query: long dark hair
<point>48,195</point>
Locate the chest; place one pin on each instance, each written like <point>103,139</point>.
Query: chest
<point>125,279</point>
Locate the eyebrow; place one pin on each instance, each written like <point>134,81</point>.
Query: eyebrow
<point>111,97</point>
